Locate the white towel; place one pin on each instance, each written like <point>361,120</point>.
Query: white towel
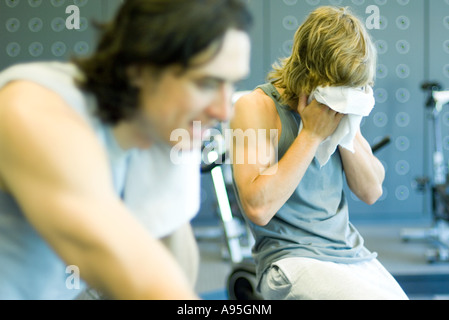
<point>163,195</point>
<point>355,103</point>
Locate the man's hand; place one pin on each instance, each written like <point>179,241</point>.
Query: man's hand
<point>318,119</point>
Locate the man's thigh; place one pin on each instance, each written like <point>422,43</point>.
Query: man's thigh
<point>311,279</point>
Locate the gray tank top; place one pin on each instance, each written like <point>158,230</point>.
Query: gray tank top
<point>314,222</point>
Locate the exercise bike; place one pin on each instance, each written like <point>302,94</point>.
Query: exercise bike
<point>439,232</point>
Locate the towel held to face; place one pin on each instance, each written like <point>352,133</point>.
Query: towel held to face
<point>355,103</point>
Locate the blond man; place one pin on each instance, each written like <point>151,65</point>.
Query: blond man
<point>306,248</point>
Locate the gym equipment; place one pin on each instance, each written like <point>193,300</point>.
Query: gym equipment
<point>438,234</point>
<point>241,283</point>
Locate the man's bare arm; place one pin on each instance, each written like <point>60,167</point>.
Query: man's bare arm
<point>364,172</point>
<point>264,189</point>
<point>53,164</point>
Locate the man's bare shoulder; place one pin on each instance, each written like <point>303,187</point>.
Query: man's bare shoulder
<point>42,136</point>
<point>255,110</point>
<point>32,98</point>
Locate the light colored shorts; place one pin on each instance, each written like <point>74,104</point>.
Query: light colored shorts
<point>311,279</point>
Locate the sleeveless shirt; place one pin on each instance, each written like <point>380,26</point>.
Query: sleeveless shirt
<point>314,222</point>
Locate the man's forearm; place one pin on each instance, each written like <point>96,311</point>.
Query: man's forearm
<point>364,172</point>
<point>113,252</point>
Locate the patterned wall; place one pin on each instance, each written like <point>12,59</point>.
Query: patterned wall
<point>439,42</point>
<point>438,52</point>
<point>33,30</point>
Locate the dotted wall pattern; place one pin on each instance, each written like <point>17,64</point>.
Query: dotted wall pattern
<point>35,30</point>
<point>439,41</point>
<point>439,56</point>
<point>399,112</point>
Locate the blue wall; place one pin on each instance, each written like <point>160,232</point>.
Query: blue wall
<point>35,29</point>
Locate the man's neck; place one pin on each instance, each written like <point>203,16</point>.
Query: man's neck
<point>129,137</point>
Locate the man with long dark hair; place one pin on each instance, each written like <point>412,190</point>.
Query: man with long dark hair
<point>86,179</point>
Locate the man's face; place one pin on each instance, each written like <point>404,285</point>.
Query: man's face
<point>172,102</point>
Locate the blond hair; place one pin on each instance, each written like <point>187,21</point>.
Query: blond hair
<point>331,48</point>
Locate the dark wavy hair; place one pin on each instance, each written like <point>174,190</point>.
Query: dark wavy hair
<point>157,33</point>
